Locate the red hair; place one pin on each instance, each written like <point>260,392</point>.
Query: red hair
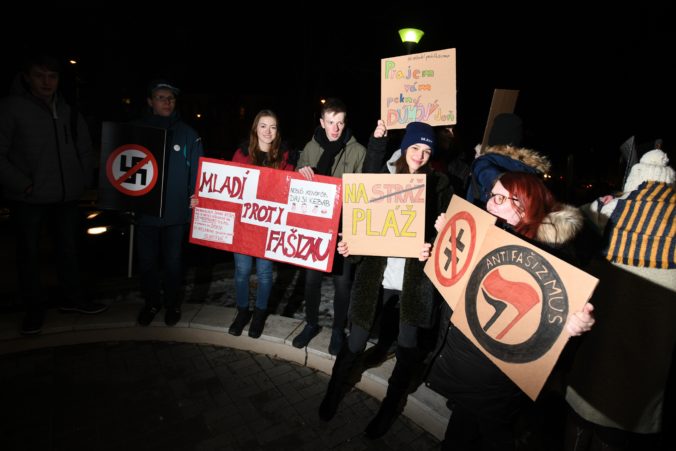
<point>535,201</point>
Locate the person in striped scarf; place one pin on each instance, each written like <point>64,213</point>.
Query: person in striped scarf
<point>618,380</point>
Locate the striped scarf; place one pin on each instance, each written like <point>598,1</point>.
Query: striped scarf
<point>642,228</point>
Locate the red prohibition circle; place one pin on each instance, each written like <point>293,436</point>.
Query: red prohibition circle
<point>456,273</point>
<point>148,157</point>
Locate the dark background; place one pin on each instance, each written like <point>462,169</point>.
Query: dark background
<point>588,80</point>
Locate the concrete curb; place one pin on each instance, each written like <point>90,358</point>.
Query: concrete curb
<point>209,324</point>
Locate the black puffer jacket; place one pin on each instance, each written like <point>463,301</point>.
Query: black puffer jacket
<point>37,148</point>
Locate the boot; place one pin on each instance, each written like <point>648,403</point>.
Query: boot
<point>241,320</point>
<point>257,323</point>
<point>404,380</point>
<point>339,383</point>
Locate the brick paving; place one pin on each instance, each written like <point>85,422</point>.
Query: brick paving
<point>178,396</point>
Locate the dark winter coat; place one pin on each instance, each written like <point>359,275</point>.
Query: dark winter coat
<point>417,300</point>
<point>183,150</point>
<point>461,372</point>
<point>37,148</point>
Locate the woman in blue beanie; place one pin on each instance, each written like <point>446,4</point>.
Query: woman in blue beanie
<point>381,282</point>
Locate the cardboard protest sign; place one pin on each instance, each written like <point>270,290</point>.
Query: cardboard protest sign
<point>269,213</point>
<point>418,88</point>
<point>504,101</point>
<point>456,248</point>
<point>131,175</point>
<point>513,300</point>
<point>384,214</point>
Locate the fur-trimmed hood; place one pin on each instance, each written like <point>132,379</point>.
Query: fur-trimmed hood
<point>528,157</point>
<point>497,160</point>
<point>561,226</point>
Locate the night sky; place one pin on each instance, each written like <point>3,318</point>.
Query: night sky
<point>587,82</point>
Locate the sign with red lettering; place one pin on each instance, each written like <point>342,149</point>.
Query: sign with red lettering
<point>268,213</point>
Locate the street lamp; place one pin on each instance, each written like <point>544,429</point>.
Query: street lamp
<point>410,37</point>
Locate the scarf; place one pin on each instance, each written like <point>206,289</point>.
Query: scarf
<point>642,228</point>
<point>331,150</point>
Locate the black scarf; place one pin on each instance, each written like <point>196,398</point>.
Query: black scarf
<point>331,150</point>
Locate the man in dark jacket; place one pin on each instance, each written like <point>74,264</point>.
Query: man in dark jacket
<point>46,160</point>
<point>162,239</point>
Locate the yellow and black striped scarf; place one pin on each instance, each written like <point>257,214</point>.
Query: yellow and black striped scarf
<point>642,228</point>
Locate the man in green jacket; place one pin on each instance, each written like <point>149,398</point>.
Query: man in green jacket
<point>332,151</point>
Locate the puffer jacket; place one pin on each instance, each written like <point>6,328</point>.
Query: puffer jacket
<point>37,148</point>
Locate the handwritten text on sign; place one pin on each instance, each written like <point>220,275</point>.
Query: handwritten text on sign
<point>384,214</point>
<point>267,213</point>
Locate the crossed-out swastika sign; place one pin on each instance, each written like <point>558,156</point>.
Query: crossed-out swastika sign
<point>456,243</point>
<point>455,248</point>
<point>132,170</point>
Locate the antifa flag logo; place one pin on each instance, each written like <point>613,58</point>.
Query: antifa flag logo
<point>526,301</point>
<point>500,292</point>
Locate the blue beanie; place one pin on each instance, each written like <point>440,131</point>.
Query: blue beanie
<point>418,133</point>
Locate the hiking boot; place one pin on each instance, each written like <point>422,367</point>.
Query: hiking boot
<point>88,308</point>
<point>172,316</point>
<point>32,322</point>
<point>241,320</point>
<point>309,332</point>
<point>337,339</point>
<point>147,314</point>
<point>257,323</point>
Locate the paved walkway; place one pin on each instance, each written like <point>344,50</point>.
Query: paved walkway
<point>177,396</point>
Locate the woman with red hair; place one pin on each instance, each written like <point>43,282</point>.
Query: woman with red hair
<point>484,401</point>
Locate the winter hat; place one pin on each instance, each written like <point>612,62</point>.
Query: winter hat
<point>652,166</point>
<point>418,133</point>
<point>162,84</point>
<point>507,130</point>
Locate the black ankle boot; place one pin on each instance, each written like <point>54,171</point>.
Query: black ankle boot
<point>241,320</point>
<point>340,382</point>
<point>257,323</point>
<point>403,381</point>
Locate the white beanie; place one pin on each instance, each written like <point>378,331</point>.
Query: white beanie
<point>653,166</point>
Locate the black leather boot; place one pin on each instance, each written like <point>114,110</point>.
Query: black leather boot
<point>404,380</point>
<point>241,320</point>
<point>340,382</point>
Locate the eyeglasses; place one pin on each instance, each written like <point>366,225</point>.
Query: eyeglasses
<point>170,99</point>
<point>499,199</point>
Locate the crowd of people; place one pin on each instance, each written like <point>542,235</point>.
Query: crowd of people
<point>615,375</point>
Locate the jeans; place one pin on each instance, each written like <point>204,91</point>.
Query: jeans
<point>165,243</point>
<point>243,265</point>
<point>63,222</point>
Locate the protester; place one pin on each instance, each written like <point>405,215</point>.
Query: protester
<point>484,402</point>
<point>618,380</point>
<point>264,148</point>
<point>401,281</point>
<point>46,161</point>
<point>160,240</point>
<point>333,151</point>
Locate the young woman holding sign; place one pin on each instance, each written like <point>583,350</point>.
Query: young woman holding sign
<point>265,148</point>
<point>381,280</point>
<point>484,401</point>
